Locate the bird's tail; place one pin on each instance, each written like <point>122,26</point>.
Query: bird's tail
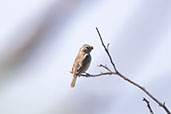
<point>73,81</point>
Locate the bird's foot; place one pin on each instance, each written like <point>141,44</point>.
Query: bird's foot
<point>87,74</point>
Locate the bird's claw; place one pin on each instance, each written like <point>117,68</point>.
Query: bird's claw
<point>87,73</point>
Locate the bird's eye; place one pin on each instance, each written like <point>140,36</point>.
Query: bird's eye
<point>87,47</point>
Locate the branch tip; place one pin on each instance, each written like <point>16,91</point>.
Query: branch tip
<point>148,105</point>
<point>116,72</point>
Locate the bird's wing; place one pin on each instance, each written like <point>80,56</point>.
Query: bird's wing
<point>83,64</point>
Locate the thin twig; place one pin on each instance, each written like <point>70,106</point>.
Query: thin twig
<point>116,72</point>
<point>97,75</point>
<point>105,67</point>
<point>148,105</point>
<point>107,51</point>
<point>130,81</point>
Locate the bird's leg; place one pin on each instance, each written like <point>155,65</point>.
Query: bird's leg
<point>85,73</point>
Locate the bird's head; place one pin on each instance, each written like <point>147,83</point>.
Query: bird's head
<point>86,48</point>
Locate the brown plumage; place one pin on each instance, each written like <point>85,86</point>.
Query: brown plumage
<point>81,63</point>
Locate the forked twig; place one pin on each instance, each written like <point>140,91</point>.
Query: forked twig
<point>116,72</point>
<point>148,105</point>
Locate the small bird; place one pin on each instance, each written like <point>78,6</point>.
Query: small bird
<point>81,63</point>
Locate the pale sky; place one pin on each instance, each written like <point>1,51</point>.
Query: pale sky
<point>39,40</point>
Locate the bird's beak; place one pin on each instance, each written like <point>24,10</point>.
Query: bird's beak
<point>91,47</point>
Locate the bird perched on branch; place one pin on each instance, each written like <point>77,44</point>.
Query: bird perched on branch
<point>81,63</point>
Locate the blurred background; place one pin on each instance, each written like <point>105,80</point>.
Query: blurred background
<point>39,40</point>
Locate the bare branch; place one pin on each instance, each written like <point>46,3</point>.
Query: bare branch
<point>127,79</point>
<point>108,46</point>
<point>106,50</point>
<point>96,75</point>
<point>148,105</point>
<point>105,67</point>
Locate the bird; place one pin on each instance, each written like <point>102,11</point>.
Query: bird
<point>81,63</point>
